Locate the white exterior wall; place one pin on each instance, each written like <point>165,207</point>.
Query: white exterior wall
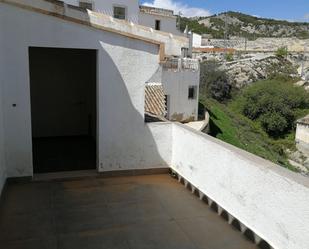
<point>270,200</point>
<point>176,84</point>
<point>197,40</point>
<point>2,153</point>
<point>302,133</point>
<point>168,24</point>
<point>124,65</point>
<point>302,137</point>
<point>172,44</point>
<point>107,7</point>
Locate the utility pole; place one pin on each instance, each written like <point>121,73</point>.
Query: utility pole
<point>225,33</point>
<point>303,62</point>
<point>178,24</point>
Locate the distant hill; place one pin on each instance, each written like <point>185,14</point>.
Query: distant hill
<point>242,25</point>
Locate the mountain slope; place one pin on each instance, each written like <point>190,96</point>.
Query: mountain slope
<point>242,25</point>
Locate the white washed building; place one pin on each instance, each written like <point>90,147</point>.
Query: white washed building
<point>67,72</point>
<point>121,9</point>
<point>159,19</point>
<point>130,10</point>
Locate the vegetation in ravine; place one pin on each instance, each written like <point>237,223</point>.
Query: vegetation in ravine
<point>274,104</point>
<point>214,82</point>
<point>260,118</point>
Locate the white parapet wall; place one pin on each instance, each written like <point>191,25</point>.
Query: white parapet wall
<point>271,201</point>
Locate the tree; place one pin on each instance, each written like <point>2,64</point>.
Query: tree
<point>215,82</point>
<point>274,104</point>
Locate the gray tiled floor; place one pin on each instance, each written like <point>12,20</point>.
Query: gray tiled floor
<point>144,212</point>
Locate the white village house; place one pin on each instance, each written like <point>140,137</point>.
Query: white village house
<point>180,78</point>
<point>130,10</point>
<point>74,87</point>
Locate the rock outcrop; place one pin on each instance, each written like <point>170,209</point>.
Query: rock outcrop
<point>244,72</point>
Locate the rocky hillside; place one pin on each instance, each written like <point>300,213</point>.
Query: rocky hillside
<point>245,72</point>
<point>242,25</point>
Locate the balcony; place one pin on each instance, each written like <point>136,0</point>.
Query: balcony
<point>157,11</point>
<point>180,64</point>
<point>121,212</point>
<point>236,200</point>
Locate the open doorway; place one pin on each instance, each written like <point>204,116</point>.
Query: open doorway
<point>63,109</point>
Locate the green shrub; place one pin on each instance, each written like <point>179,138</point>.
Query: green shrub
<point>220,89</point>
<point>282,52</point>
<point>274,123</point>
<point>229,57</point>
<point>215,82</point>
<point>275,104</point>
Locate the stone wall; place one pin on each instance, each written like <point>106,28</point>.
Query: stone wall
<point>260,44</point>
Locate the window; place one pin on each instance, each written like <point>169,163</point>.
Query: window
<point>158,25</point>
<point>86,5</point>
<point>184,52</point>
<point>192,92</point>
<point>120,12</point>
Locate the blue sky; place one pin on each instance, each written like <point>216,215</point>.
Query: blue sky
<point>292,10</point>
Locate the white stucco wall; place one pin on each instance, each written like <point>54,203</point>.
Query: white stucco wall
<point>124,65</point>
<point>176,84</point>
<point>302,133</point>
<point>168,24</point>
<point>302,137</point>
<point>172,44</point>
<point>270,200</point>
<point>197,40</point>
<point>2,153</point>
<point>107,7</point>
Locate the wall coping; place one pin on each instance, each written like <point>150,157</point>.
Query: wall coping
<point>259,162</point>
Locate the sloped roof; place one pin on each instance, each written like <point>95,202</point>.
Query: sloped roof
<point>155,99</point>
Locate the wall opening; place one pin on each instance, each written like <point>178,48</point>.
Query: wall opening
<point>157,25</point>
<point>63,109</point>
<point>120,12</point>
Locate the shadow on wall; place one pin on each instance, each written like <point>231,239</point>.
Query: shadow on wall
<point>2,155</point>
<point>124,65</point>
<point>126,141</point>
